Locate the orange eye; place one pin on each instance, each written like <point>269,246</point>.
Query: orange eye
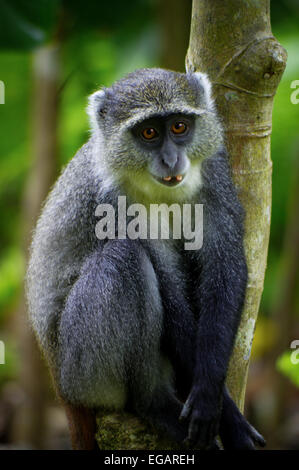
<point>178,128</point>
<point>149,133</point>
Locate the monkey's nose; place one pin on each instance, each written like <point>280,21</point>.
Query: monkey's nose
<point>170,161</point>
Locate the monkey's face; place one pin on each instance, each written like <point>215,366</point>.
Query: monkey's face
<point>159,158</point>
<point>164,141</point>
<point>156,127</point>
<point>165,153</point>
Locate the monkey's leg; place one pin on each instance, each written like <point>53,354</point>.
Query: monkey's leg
<point>179,344</point>
<point>109,337</point>
<point>235,431</point>
<point>82,426</point>
<point>179,325</point>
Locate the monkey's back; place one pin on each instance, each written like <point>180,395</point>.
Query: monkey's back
<point>63,237</point>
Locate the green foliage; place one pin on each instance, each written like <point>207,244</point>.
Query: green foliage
<point>288,367</point>
<point>285,143</point>
<point>284,13</point>
<point>11,276</point>
<point>99,61</point>
<point>284,153</point>
<point>106,15</point>
<point>26,24</point>
<point>14,144</point>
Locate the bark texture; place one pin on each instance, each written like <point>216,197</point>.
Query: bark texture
<point>232,42</point>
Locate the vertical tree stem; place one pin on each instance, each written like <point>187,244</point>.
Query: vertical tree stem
<point>232,42</point>
<point>29,426</point>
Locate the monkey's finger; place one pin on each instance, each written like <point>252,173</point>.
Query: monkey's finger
<point>211,434</point>
<point>189,444</point>
<point>193,431</point>
<point>191,440</point>
<point>248,444</point>
<point>215,446</point>
<point>256,436</point>
<point>207,434</point>
<point>202,440</point>
<point>185,413</point>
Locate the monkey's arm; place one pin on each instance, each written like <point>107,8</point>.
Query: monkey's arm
<point>219,283</point>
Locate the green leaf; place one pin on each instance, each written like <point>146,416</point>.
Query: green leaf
<point>286,364</point>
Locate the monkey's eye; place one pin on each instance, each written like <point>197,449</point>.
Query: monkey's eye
<point>149,133</point>
<point>178,128</point>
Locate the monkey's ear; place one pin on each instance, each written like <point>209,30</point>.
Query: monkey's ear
<point>204,88</point>
<point>95,108</point>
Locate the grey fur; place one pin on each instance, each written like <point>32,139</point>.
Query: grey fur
<point>64,239</point>
<point>100,309</point>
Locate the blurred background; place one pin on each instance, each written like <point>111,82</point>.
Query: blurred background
<point>54,53</point>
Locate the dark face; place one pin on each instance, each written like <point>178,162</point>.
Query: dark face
<point>165,140</point>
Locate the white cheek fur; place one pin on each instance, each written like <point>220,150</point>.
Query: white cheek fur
<point>207,87</point>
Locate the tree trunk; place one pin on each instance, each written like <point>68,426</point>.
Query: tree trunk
<point>174,17</point>
<point>232,42</point>
<point>29,426</point>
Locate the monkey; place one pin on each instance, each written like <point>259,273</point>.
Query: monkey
<point>143,324</point>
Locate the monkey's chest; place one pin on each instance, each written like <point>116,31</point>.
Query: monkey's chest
<point>173,273</point>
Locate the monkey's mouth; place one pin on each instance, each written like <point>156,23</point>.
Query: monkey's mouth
<point>170,180</point>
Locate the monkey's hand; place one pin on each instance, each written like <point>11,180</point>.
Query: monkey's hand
<point>204,418</point>
<point>235,431</point>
